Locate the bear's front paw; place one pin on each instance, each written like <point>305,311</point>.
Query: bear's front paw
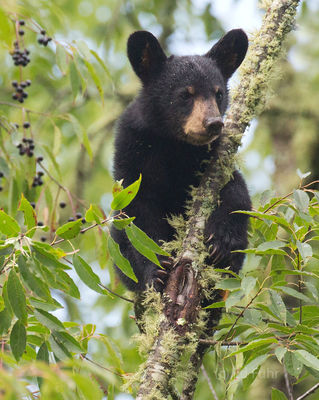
<point>220,248</point>
<point>160,276</point>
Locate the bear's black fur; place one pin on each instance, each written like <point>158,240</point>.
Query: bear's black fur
<point>165,134</point>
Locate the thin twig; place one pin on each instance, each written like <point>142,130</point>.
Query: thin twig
<point>309,392</point>
<point>288,385</point>
<point>209,382</point>
<point>223,343</point>
<point>101,366</point>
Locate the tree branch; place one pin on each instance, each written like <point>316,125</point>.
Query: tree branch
<point>182,295</point>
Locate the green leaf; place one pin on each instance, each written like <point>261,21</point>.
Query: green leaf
<point>62,59</point>
<point>294,293</point>
<point>305,250</point>
<point>69,230</point>
<point>121,262</point>
<point>49,152</point>
<point>301,200</point>
<point>277,394</point>
<point>68,342</point>
<point>74,79</point>
<point>102,64</point>
<point>94,214</point>
<point>43,353</point>
<point>81,133</point>
<point>122,223</point>
<point>247,284</point>
<point>146,252</point>
<point>253,345</point>
<point>251,367</point>
<point>86,274</point>
<point>218,304</point>
<point>88,387</point>
<point>6,31</point>
<point>45,304</point>
<point>228,284</point>
<point>5,321</point>
<point>58,348</point>
<point>278,306</point>
<point>30,219</point>
<point>307,359</point>
<point>280,352</point>
<point>8,225</point>
<point>17,297</point>
<point>273,244</point>
<point>34,283</point>
<point>48,320</point>
<point>234,298</point>
<point>18,339</point>
<point>125,196</point>
<point>147,241</point>
<point>292,364</point>
<point>95,78</point>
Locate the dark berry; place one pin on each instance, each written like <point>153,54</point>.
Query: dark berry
<point>1,175</point>
<point>34,184</point>
<point>62,204</point>
<point>1,188</point>
<point>19,89</point>
<point>26,51</point>
<point>19,145</point>
<point>30,154</point>
<point>78,215</point>
<point>45,42</point>
<point>40,182</point>
<point>23,85</point>
<point>83,221</point>
<point>26,125</point>
<point>31,147</point>
<point>21,22</point>
<point>30,140</point>
<point>49,39</point>
<point>39,159</point>
<point>25,140</point>
<point>71,219</point>
<point>15,96</point>
<point>40,223</point>
<point>28,82</point>
<point>40,173</point>
<point>43,239</point>
<point>22,151</point>
<point>40,40</point>
<point>24,94</point>
<point>21,100</point>
<point>43,32</point>
<point>14,83</point>
<point>16,43</point>
<point>16,126</point>
<point>21,32</point>
<point>32,204</point>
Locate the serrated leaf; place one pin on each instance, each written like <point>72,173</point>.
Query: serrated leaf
<point>122,223</point>
<point>86,274</point>
<point>30,219</point>
<point>18,340</point>
<point>119,260</point>
<point>75,79</point>
<point>307,359</point>
<point>125,196</point>
<point>17,297</point>
<point>301,200</point>
<point>69,230</point>
<point>8,225</point>
<point>147,241</point>
<point>277,394</point>
<point>145,251</point>
<point>48,320</point>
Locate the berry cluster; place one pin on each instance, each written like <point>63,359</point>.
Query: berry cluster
<point>26,147</point>
<point>20,94</point>
<point>1,176</point>
<point>20,57</point>
<point>44,39</point>
<point>37,181</point>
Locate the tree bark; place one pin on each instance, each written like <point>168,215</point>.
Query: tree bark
<point>182,321</point>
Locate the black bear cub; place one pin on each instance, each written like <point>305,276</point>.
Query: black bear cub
<point>165,134</point>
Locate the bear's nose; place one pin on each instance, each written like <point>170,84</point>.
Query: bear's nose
<point>214,124</point>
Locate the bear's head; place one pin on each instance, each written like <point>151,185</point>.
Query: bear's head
<point>187,95</point>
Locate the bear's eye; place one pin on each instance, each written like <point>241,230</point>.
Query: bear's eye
<point>219,95</point>
<point>188,92</point>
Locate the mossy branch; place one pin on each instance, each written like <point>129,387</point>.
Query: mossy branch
<point>182,322</point>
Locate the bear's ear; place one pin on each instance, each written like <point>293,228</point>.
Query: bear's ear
<point>229,51</point>
<point>145,54</point>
